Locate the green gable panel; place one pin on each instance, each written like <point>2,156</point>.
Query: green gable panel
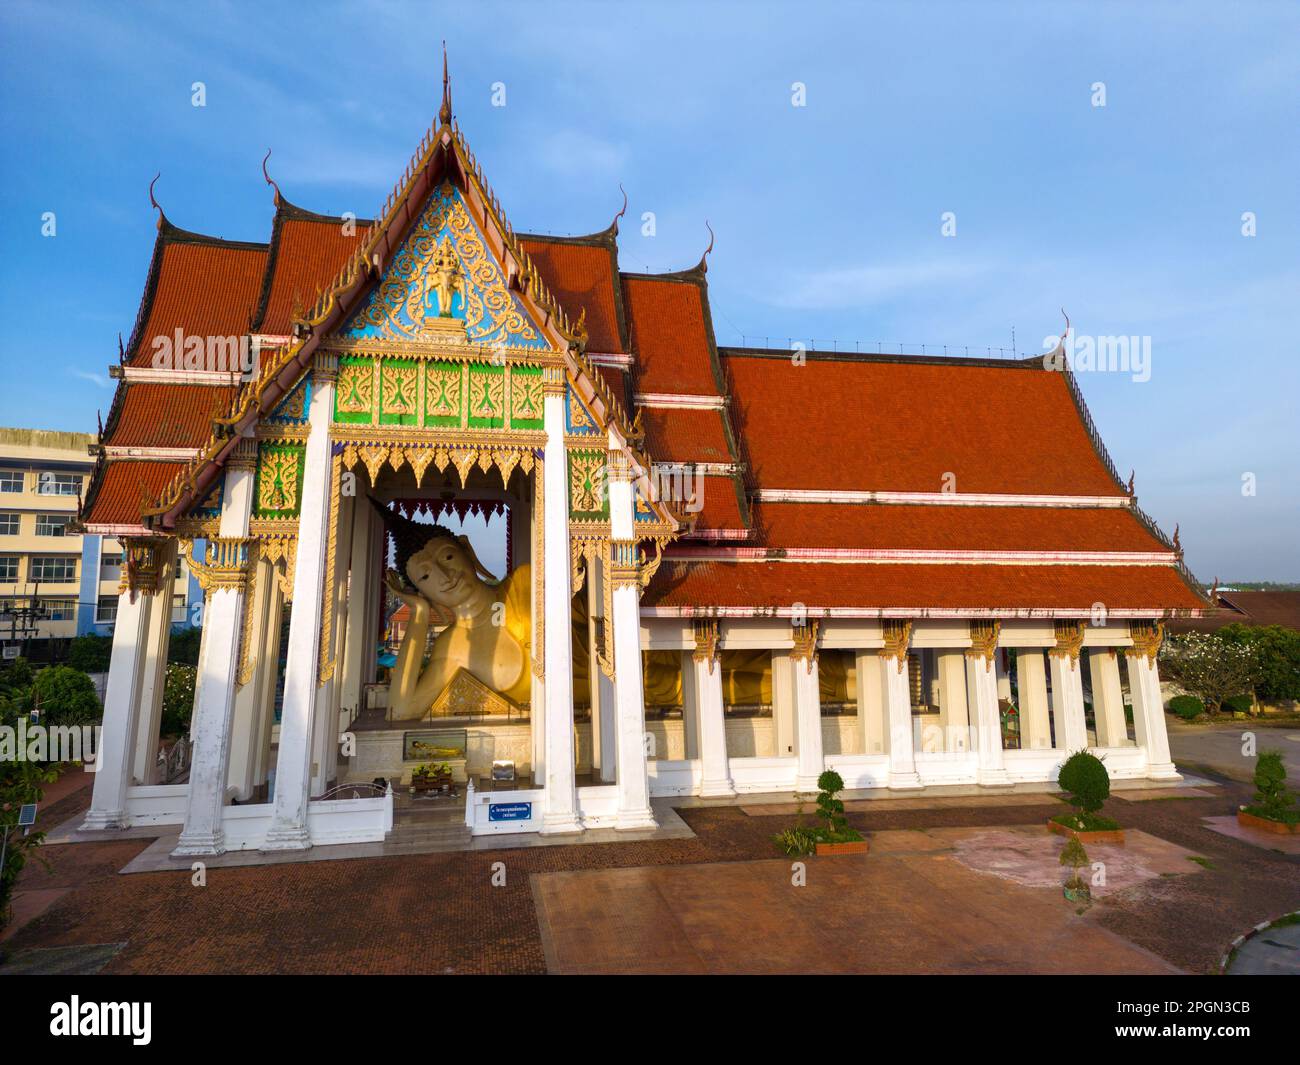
<point>354,394</point>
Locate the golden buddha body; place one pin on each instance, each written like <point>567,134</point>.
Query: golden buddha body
<point>487,631</point>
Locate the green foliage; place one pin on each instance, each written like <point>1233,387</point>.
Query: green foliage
<point>20,782</point>
<point>1277,654</point>
<point>178,699</point>
<point>1271,796</point>
<point>1085,822</point>
<point>1073,854</point>
<point>65,696</point>
<point>1187,707</point>
<point>1085,778</point>
<point>796,841</point>
<point>1210,665</point>
<point>1239,704</point>
<point>831,810</point>
<point>90,653</point>
<point>183,648</point>
<point>16,678</point>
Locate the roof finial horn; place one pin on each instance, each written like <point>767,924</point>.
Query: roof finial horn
<point>161,217</point>
<point>704,265</point>
<point>268,177</point>
<point>444,112</point>
<point>621,211</point>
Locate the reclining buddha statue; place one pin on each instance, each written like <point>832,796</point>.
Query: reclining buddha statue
<point>488,623</point>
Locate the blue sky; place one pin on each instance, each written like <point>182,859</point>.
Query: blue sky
<point>828,216</point>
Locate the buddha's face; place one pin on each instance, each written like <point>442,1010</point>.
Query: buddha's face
<point>443,572</point>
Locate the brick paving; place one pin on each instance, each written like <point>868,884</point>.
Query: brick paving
<point>439,913</point>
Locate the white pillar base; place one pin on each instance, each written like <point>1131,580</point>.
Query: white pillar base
<point>289,838</point>
<point>1163,771</point>
<point>994,778</point>
<point>905,782</point>
<point>717,789</point>
<point>104,821</point>
<point>560,824</point>
<point>200,845</point>
<point>635,820</point>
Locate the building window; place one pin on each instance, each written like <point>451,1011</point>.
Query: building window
<point>110,568</point>
<point>54,568</point>
<point>8,568</point>
<point>11,480</point>
<point>179,611</point>
<point>106,610</point>
<point>8,523</point>
<point>59,609</point>
<point>58,484</point>
<point>52,524</point>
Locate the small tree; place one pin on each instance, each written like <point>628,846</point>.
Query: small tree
<point>829,807</point>
<point>1272,800</point>
<point>178,699</point>
<point>66,696</point>
<point>1084,776</point>
<point>1277,650</point>
<point>1210,666</point>
<point>1073,855</point>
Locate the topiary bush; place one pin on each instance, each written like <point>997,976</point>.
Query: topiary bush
<point>1187,707</point>
<point>1272,800</point>
<point>1086,782</point>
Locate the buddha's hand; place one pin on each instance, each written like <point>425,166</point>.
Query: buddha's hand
<point>420,611</point>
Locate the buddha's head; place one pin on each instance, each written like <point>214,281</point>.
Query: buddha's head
<point>446,571</point>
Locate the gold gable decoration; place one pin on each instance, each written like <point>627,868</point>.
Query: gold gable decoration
<point>467,696</point>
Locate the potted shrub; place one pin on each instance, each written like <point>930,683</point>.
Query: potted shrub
<point>1272,807</point>
<point>1087,784</point>
<point>1077,888</point>
<point>833,836</point>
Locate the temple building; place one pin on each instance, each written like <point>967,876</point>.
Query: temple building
<point>725,570</point>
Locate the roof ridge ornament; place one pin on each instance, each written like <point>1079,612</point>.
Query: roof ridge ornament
<point>704,264</point>
<point>269,181</point>
<point>444,112</point>
<point>162,218</point>
<point>621,211</point>
<point>1055,359</point>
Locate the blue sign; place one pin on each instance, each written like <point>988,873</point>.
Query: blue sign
<point>510,811</point>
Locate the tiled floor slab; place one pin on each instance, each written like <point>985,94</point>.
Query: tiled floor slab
<point>1254,836</point>
<point>898,909</point>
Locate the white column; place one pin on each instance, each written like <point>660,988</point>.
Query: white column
<point>1031,683</point>
<point>225,576</point>
<point>326,724</point>
<point>560,804</point>
<point>1149,714</point>
<point>783,742</point>
<point>629,688</point>
<point>954,717</point>
<point>363,571</point>
<point>289,829</point>
<point>690,707</point>
<point>144,766</point>
<point>807,709</point>
<point>982,681</point>
<point>871,707</point>
<point>603,758</point>
<point>214,706</point>
<point>1107,697</point>
<point>896,696</point>
<point>702,675</point>
<point>121,702</point>
<point>268,680</point>
<point>1067,703</point>
<point>244,734</point>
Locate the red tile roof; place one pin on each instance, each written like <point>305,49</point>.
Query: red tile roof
<point>952,528</point>
<point>912,426</point>
<point>670,336</point>
<point>307,251</point>
<point>163,415</point>
<point>581,273</point>
<point>684,435</point>
<point>870,586</point>
<point>721,504</point>
<point>117,497</point>
<point>201,285</point>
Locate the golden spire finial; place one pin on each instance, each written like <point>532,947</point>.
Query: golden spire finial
<point>444,112</point>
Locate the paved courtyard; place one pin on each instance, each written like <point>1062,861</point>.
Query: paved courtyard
<point>948,887</point>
